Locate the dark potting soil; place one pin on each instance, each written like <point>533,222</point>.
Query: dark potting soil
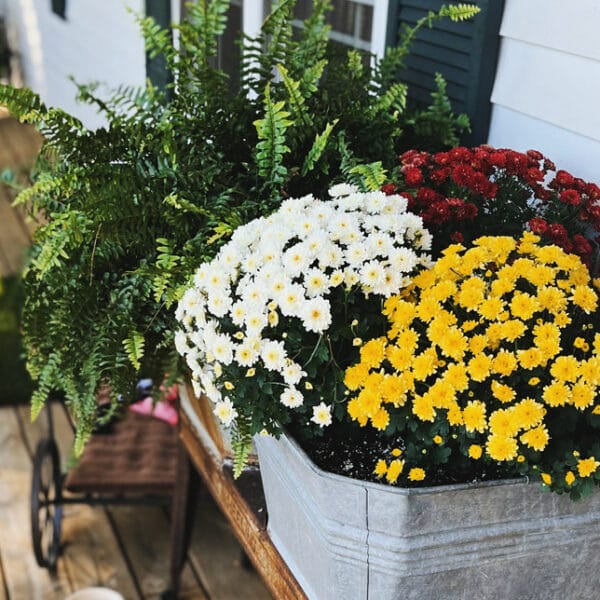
<point>354,458</point>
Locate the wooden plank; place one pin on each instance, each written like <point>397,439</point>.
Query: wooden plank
<point>144,536</point>
<point>248,531</point>
<point>24,579</point>
<point>38,429</point>
<point>13,454</point>
<point>216,556</point>
<point>91,553</point>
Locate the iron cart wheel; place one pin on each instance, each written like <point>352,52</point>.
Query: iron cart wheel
<point>46,507</point>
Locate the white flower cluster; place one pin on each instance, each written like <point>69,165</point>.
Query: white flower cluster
<point>285,265</point>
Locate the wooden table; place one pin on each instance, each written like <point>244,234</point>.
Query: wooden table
<point>242,502</point>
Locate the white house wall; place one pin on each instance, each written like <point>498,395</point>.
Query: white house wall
<point>99,41</point>
<point>547,83</point>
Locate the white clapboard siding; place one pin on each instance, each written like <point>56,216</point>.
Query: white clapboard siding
<point>98,41</point>
<point>548,82</point>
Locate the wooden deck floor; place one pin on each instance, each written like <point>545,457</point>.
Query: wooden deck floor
<point>124,548</point>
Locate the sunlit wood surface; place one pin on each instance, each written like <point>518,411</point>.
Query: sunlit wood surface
<point>121,547</point>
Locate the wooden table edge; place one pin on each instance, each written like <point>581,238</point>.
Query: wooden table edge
<point>254,539</point>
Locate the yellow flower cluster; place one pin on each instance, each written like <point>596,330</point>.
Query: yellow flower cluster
<point>489,339</point>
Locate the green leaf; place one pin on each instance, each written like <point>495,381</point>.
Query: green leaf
<point>134,348</point>
<point>317,148</point>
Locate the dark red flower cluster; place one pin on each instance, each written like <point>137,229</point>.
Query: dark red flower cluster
<point>467,192</point>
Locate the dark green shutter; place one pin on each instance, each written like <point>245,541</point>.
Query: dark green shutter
<point>464,53</point>
<point>156,69</point>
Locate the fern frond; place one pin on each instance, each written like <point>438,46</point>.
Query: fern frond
<point>271,132</point>
<point>296,100</point>
<point>318,147</point>
<point>372,175</point>
<point>459,12</point>
<point>241,445</point>
<point>393,99</point>
<point>134,348</point>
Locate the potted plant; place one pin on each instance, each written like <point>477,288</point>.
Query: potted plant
<point>482,387</point>
<point>129,210</point>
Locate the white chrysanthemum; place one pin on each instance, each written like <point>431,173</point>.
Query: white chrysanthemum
<point>403,259</point>
<point>379,244</point>
<point>330,255</point>
<point>344,227</point>
<point>316,282</point>
<point>423,239</point>
<point>191,299</point>
<point>254,295</point>
<point>196,387</point>
<point>351,277</point>
<point>315,242</point>
<point>238,313</point>
<point>292,373</point>
<point>230,257</point>
<point>394,205</point>
<point>256,321</point>
<point>291,398</point>
<point>219,302</point>
<point>181,342</point>
<point>351,202</point>
<point>321,213</point>
<point>225,411</point>
<point>356,254</point>
<point>246,354</point>
<point>273,355</point>
<point>316,314</point>
<point>336,278</point>
<point>222,349</point>
<point>342,189</point>
<point>321,414</point>
<point>291,298</point>
<point>372,274</point>
<point>375,201</point>
<point>296,259</point>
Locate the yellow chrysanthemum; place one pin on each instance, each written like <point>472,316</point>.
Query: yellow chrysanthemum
<point>355,376</point>
<point>380,468</point>
<point>400,358</point>
<point>501,448</point>
<point>504,363</point>
<point>454,343</point>
<point>502,392</point>
<point>529,413</point>
<point>438,439</point>
<point>394,470</point>
<point>408,339</point>
<point>479,367</point>
<point>393,390</point>
<point>357,412</point>
<point>474,416</point>
<point>381,419</point>
<point>530,358</point>
<point>428,308</point>
<point>425,364</point>
<point>565,368</point>
<point>569,477</point>
<point>478,343</point>
<point>523,306</point>
<point>396,452</point>
<point>582,395</point>
<point>556,394</point>
<point>456,376</point>
<point>551,299</point>
<point>443,290</point>
<point>589,371</point>
<point>491,307</point>
<point>471,293</point>
<point>455,415</point>
<point>512,330</point>
<point>423,408</point>
<point>536,438</point>
<point>587,466</point>
<point>373,352</point>
<point>504,422</point>
<point>416,474</point>
<point>585,297</point>
<point>546,478</point>
<point>475,451</point>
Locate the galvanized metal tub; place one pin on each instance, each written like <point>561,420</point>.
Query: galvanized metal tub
<point>503,540</point>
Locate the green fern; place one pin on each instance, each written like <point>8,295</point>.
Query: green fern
<point>459,12</point>
<point>372,175</point>
<point>271,132</point>
<point>241,445</point>
<point>318,147</point>
<point>134,348</point>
